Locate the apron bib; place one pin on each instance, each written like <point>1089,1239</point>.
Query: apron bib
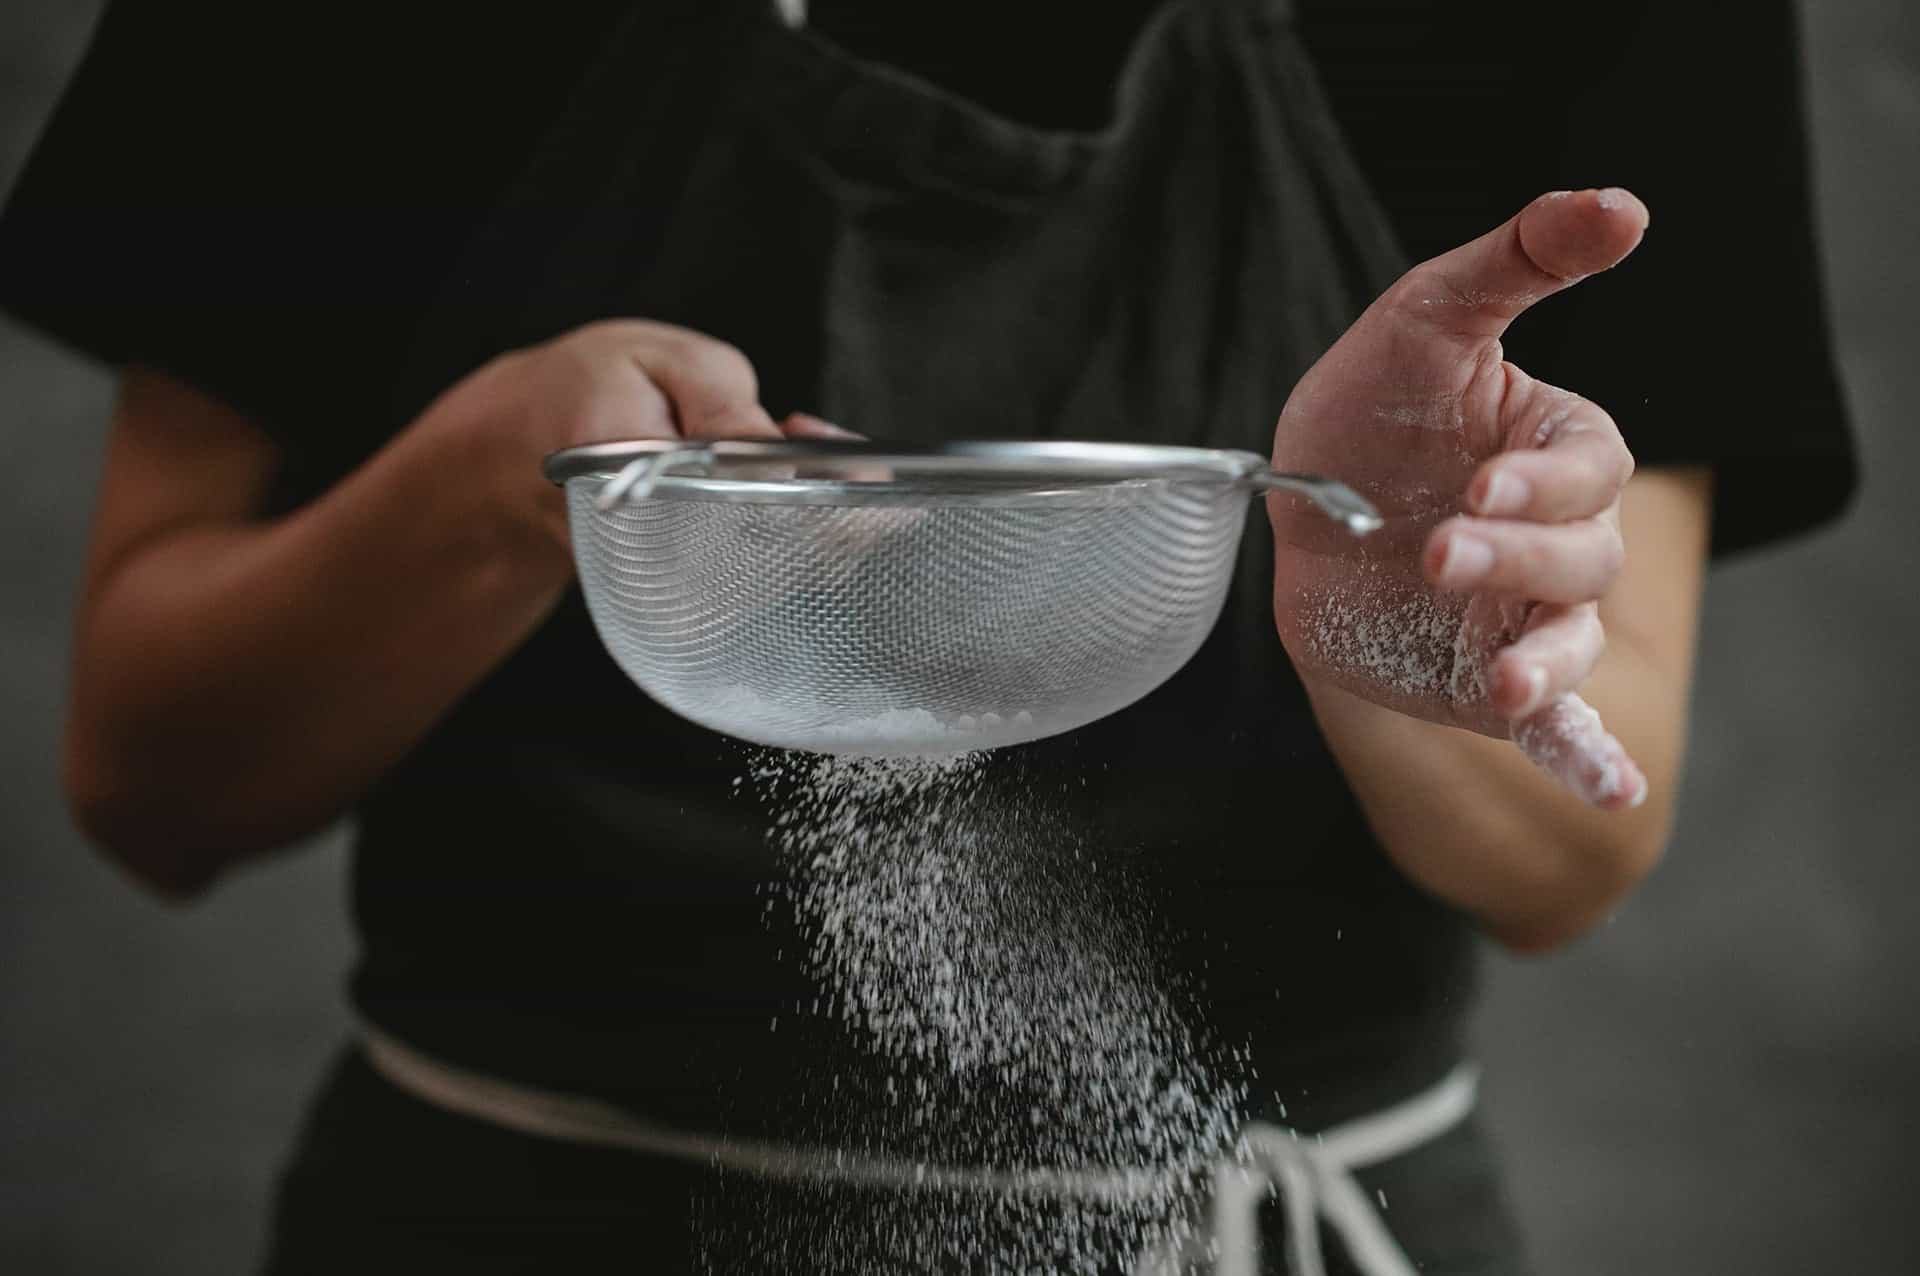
<point>914,267</point>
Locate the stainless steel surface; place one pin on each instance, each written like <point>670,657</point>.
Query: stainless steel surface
<point>1333,498</point>
<point>868,599</point>
<point>816,471</point>
<point>1072,458</point>
<point>637,478</point>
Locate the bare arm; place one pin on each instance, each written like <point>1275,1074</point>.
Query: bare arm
<point>1470,819</point>
<point>239,680</point>
<point>1517,543</point>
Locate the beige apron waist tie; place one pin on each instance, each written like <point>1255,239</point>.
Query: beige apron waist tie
<point>1311,1174</point>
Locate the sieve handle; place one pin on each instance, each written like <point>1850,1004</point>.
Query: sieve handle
<point>635,482</point>
<point>1335,499</point>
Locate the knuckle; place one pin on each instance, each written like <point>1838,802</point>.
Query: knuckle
<point>1601,477</point>
<point>1613,549</point>
<point>507,364</point>
<point>719,363</point>
<point>1615,461</point>
<point>1583,478</point>
<point>605,330</point>
<point>1589,642</point>
<point>1536,557</point>
<point>1602,480</point>
<point>1429,292</point>
<point>1408,291</point>
<point>1626,464</point>
<point>1528,560</point>
<point>1594,417</point>
<point>1566,663</point>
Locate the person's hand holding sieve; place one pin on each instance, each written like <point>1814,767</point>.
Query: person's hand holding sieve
<point>1477,604</point>
<point>610,381</point>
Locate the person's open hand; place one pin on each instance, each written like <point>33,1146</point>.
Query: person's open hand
<point>1476,604</point>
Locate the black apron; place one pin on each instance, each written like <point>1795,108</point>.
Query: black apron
<point>913,267</point>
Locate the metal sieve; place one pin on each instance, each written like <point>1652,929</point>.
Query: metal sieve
<point>871,599</point>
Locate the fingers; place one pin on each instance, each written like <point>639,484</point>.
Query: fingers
<point>1550,562</point>
<point>1555,652</point>
<point>1567,741</point>
<point>712,386</point>
<point>1479,288</point>
<point>804,425</point>
<point>1579,473</point>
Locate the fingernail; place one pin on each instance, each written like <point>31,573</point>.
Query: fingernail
<point>1505,494</point>
<point>1468,558</point>
<point>1611,197</point>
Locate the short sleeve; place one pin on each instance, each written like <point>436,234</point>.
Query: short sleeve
<point>263,201</point>
<point>1708,345</point>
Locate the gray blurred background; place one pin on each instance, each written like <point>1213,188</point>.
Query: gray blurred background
<point>1719,1081</point>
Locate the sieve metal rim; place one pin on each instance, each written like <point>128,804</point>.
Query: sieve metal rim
<point>1109,493</point>
<point>932,471</point>
<point>642,468</point>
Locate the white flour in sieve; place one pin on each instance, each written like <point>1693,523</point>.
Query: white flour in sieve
<point>903,733</point>
<point>1006,984</point>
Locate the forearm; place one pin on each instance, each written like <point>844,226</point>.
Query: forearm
<point>238,686</point>
<point>1474,822</point>
<point>240,680</point>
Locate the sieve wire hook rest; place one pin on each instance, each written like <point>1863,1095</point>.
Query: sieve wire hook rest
<point>1333,498</point>
<point>636,480</point>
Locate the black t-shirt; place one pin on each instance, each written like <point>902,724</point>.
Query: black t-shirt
<point>268,208</point>
<point>238,196</point>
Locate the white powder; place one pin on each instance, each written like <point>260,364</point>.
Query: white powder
<point>916,733</point>
<point>806,722</point>
<point>1404,640</point>
<point>1568,742</point>
<point>1437,649</point>
<point>1006,982</point>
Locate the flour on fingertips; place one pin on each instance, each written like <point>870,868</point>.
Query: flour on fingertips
<point>1568,741</point>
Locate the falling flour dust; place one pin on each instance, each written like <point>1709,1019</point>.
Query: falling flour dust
<point>1002,984</point>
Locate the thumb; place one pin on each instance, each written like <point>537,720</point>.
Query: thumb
<point>1559,239</point>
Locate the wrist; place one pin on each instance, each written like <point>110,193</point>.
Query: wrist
<point>476,469</point>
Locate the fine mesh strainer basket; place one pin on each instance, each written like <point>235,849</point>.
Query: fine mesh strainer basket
<point>877,600</point>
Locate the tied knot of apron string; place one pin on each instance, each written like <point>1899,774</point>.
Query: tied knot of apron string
<point>1312,1178</point>
<point>1310,1174</point>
